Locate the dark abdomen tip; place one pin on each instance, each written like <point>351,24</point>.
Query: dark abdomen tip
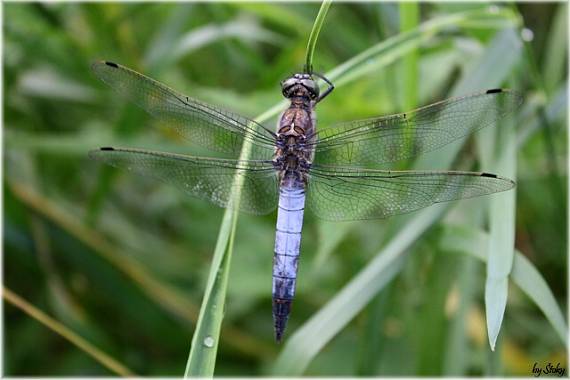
<point>281,310</point>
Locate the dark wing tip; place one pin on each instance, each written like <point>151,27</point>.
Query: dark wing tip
<point>95,64</point>
<point>509,183</point>
<point>94,154</point>
<point>112,64</point>
<point>515,96</point>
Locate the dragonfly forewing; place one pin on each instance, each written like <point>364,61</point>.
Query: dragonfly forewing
<point>202,124</point>
<point>210,179</point>
<point>369,142</point>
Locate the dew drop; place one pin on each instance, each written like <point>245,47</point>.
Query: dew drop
<point>209,341</point>
<point>527,35</point>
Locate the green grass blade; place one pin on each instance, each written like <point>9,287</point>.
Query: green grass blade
<point>506,51</point>
<point>409,70</point>
<point>523,274</point>
<point>315,34</point>
<point>85,346</point>
<point>529,279</point>
<point>502,234</point>
<point>202,358</point>
<point>388,51</point>
<point>409,19</point>
<point>556,49</point>
<point>497,149</point>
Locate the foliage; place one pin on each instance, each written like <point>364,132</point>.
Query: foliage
<point>122,262</point>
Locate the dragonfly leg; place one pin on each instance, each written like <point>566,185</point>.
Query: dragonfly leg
<point>328,90</point>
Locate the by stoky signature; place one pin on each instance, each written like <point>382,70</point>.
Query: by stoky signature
<point>548,369</point>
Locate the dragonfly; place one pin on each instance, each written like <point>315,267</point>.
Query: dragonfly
<point>334,171</point>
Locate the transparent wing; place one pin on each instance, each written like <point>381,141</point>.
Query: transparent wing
<point>355,194</point>
<point>202,124</point>
<point>396,137</point>
<point>215,180</point>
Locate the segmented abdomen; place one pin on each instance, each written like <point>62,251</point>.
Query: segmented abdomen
<point>286,254</point>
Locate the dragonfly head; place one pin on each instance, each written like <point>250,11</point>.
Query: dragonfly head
<point>301,84</point>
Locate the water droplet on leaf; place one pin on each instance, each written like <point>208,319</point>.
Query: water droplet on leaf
<point>527,35</point>
<point>209,342</point>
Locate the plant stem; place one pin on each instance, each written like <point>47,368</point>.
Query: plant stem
<point>101,357</point>
<point>315,34</point>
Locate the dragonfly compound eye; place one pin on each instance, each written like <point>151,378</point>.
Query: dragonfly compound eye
<point>312,87</point>
<point>288,85</point>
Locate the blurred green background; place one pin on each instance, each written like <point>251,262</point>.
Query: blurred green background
<point>123,260</point>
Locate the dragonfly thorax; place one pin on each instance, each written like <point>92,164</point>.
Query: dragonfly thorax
<point>291,132</point>
<point>291,158</point>
<point>290,139</point>
<point>292,168</point>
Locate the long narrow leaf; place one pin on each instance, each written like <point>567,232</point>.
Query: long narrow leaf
<point>202,358</point>
<point>502,235</point>
<point>391,49</point>
<point>497,149</point>
<point>524,274</point>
